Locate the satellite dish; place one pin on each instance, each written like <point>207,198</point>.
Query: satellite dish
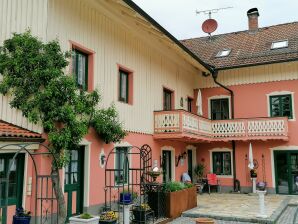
<point>209,26</point>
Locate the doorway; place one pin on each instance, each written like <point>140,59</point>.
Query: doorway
<point>286,172</point>
<point>190,164</point>
<point>73,182</point>
<point>167,165</point>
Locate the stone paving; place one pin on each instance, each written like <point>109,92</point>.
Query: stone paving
<point>242,209</point>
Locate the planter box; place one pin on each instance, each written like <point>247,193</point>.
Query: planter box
<point>78,220</point>
<point>180,201</point>
<point>140,215</point>
<point>21,219</point>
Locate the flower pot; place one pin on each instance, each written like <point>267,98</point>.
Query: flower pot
<point>125,198</point>
<point>78,220</point>
<point>21,219</point>
<point>107,221</point>
<point>139,215</point>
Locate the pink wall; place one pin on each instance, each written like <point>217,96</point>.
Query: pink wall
<point>250,101</point>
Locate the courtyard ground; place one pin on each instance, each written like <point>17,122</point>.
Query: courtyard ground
<point>242,209</point>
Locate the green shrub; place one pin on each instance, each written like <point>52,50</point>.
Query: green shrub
<point>86,216</point>
<point>174,186</point>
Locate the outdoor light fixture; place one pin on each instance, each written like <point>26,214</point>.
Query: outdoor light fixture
<point>102,158</point>
<point>181,156</point>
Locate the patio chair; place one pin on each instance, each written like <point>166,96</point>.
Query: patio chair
<point>213,181</point>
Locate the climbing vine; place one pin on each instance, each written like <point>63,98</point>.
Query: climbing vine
<point>33,74</point>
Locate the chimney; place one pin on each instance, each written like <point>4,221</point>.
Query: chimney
<point>253,24</point>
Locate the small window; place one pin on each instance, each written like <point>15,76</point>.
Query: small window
<point>222,163</point>
<point>124,86</point>
<point>220,109</point>
<point>121,165</point>
<point>80,68</point>
<point>223,53</point>
<point>189,104</point>
<point>167,99</point>
<point>281,106</point>
<point>279,44</point>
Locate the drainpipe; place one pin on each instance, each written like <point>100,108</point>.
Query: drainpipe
<point>214,76</point>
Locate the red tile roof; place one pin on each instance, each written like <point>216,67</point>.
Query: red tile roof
<point>8,130</point>
<point>247,48</point>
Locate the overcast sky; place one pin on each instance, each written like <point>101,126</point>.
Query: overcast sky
<point>180,19</point>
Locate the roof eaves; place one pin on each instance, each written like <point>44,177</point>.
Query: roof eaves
<point>164,31</point>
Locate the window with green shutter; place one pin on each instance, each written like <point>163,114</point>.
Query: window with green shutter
<point>121,165</point>
<point>124,85</point>
<point>222,163</point>
<point>80,68</point>
<point>281,106</point>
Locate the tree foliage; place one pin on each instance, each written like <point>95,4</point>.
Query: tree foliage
<point>34,75</point>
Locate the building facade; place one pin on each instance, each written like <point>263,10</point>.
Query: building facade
<point>154,82</point>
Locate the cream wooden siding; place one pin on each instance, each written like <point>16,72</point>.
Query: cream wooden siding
<point>91,26</point>
<point>17,16</point>
<point>256,74</point>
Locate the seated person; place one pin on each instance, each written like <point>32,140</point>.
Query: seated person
<point>185,178</point>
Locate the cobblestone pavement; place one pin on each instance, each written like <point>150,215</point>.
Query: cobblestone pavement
<point>231,205</point>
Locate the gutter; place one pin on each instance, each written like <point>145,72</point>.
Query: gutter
<point>135,7</point>
<point>235,181</point>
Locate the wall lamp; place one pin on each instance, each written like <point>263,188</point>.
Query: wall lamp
<point>181,156</point>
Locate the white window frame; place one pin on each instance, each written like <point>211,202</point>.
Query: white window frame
<point>280,93</point>
<point>280,41</point>
<point>216,98</point>
<point>222,54</point>
<point>211,161</point>
<point>122,144</point>
<point>172,149</point>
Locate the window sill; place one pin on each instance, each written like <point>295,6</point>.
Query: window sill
<point>224,176</point>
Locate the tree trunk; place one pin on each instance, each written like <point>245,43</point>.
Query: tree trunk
<point>59,195</point>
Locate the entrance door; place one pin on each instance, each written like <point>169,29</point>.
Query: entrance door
<point>286,172</point>
<point>15,185</point>
<point>167,165</point>
<point>189,164</point>
<point>73,183</point>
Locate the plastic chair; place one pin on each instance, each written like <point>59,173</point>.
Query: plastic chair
<point>213,181</point>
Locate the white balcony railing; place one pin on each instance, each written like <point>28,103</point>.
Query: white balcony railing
<point>185,123</point>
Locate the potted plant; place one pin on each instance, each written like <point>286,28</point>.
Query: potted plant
<point>126,196</point>
<point>199,171</point>
<point>253,173</point>
<point>140,212</point>
<point>84,218</point>
<point>261,186</point>
<point>109,217</point>
<point>22,216</point>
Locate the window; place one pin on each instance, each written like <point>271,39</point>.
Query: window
<point>121,174</point>
<point>15,186</point>
<point>222,163</point>
<point>279,44</point>
<point>189,104</point>
<point>124,86</point>
<point>167,99</point>
<point>223,53</point>
<point>281,105</point>
<point>220,109</point>
<point>80,68</point>
<point>72,169</point>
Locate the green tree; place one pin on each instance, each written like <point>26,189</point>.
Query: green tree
<point>33,74</point>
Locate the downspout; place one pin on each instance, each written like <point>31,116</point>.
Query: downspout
<point>214,76</point>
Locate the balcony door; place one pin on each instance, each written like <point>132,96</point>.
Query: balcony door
<point>168,99</point>
<point>219,109</point>
<point>286,172</point>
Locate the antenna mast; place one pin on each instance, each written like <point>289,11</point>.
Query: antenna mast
<point>210,11</point>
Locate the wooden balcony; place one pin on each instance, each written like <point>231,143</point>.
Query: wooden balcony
<point>184,126</point>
